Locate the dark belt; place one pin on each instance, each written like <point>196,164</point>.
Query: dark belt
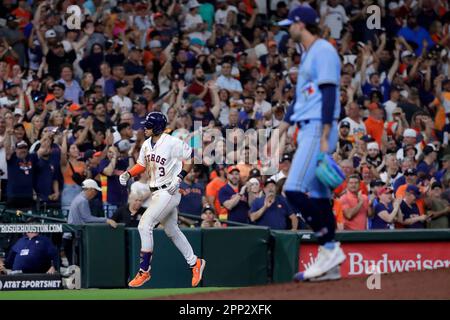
<point>305,122</point>
<point>164,186</point>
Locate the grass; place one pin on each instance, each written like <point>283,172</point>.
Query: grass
<point>100,294</point>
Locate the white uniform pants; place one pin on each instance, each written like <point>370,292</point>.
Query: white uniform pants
<point>163,209</point>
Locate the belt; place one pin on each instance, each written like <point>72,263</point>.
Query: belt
<point>305,122</point>
<point>164,186</point>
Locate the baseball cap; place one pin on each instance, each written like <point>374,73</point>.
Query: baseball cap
<point>89,154</point>
<point>254,173</point>
<point>122,126</point>
<point>74,107</point>
<point>384,190</point>
<point>376,183</point>
<point>141,100</point>
<point>197,41</point>
<point>124,145</point>
<point>373,145</point>
<point>193,4</point>
<point>198,104</point>
<point>121,84</point>
<point>50,34</point>
<point>428,149</point>
<point>9,85</point>
<point>38,96</point>
<point>409,133</point>
<point>303,14</point>
<point>155,44</point>
<point>345,124</point>
<point>59,85</point>
<point>21,144</point>
<point>11,17</point>
<point>436,184</point>
<point>208,208</point>
<point>148,87</point>
<point>414,190</point>
<point>286,156</point>
<point>410,172</point>
<point>293,70</point>
<point>90,184</point>
<point>269,181</point>
<point>406,54</point>
<point>397,110</point>
<point>18,111</point>
<point>230,169</point>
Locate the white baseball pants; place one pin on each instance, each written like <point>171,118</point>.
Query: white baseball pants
<point>163,209</point>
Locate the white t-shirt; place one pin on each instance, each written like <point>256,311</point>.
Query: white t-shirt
<point>277,177</point>
<point>356,129</point>
<point>124,104</point>
<point>191,21</point>
<point>163,161</point>
<point>5,102</point>
<point>389,106</point>
<point>334,18</point>
<point>3,164</point>
<point>139,186</point>
<point>221,15</point>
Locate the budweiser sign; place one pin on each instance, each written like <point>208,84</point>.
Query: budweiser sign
<point>387,257</point>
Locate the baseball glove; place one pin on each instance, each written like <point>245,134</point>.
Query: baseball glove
<point>328,171</point>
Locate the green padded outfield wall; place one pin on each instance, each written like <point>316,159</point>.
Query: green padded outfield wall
<point>103,257</point>
<point>169,269</point>
<point>236,256</point>
<point>284,248</point>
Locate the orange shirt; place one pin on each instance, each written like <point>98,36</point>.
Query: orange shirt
<point>439,118</point>
<point>23,15</point>
<point>67,174</point>
<point>362,187</point>
<point>375,128</point>
<point>212,190</point>
<point>400,194</point>
<point>359,221</point>
<point>338,212</point>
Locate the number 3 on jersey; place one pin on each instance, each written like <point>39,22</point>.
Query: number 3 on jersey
<point>162,172</point>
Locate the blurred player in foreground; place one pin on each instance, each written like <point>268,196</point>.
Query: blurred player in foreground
<point>315,111</point>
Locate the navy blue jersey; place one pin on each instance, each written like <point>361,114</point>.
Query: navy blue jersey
<point>408,211</point>
<point>34,255</point>
<point>20,172</point>
<point>240,212</point>
<point>377,222</point>
<point>191,198</point>
<point>116,194</point>
<point>275,217</point>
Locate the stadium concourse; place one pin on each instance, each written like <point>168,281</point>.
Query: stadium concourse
<point>74,90</point>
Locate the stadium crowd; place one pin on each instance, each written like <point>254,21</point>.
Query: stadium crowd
<point>72,102</point>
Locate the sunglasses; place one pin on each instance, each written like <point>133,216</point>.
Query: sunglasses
<point>262,92</point>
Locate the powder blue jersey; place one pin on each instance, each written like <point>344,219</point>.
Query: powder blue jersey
<point>319,65</point>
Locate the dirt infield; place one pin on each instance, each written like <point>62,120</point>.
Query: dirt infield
<point>433,284</point>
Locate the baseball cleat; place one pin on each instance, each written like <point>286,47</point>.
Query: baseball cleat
<point>326,260</point>
<point>140,278</point>
<point>333,274</point>
<point>197,272</point>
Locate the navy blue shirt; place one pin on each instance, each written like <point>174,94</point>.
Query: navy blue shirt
<point>45,175</point>
<point>424,167</point>
<point>408,212</point>
<point>20,172</point>
<point>191,198</point>
<point>275,217</point>
<point>377,222</point>
<point>32,256</point>
<point>116,194</point>
<point>399,182</point>
<point>240,212</point>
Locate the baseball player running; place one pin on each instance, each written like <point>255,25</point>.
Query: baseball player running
<point>167,160</point>
<point>315,111</point>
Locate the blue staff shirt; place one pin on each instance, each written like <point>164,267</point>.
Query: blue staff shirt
<point>275,217</point>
